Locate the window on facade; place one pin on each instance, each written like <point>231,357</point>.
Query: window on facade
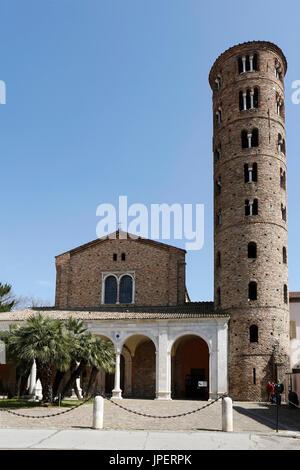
<point>254,140</point>
<point>218,82</point>
<point>248,63</point>
<point>283,212</point>
<point>115,257</point>
<point>252,291</point>
<point>253,330</point>
<point>284,255</point>
<point>249,139</point>
<point>123,257</point>
<point>281,144</point>
<point>218,219</point>
<point>251,207</point>
<point>218,296</point>
<point>279,105</point>
<point>218,260</point>
<point>282,179</point>
<point>126,290</point>
<point>218,153</point>
<point>111,290</point>
<point>219,116</point>
<point>248,99</point>
<point>254,375</point>
<point>250,172</point>
<point>278,70</point>
<point>218,186</point>
<point>252,250</point>
<point>285,294</point>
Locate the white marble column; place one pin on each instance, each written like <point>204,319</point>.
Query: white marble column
<point>251,99</point>
<point>32,379</point>
<point>249,140</point>
<point>251,63</point>
<point>163,368</point>
<point>117,392</point>
<point>245,101</point>
<point>244,63</point>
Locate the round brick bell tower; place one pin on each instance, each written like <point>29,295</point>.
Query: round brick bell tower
<point>250,214</point>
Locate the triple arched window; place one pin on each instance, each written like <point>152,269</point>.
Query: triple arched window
<point>118,288</point>
<point>248,63</point>
<point>248,99</point>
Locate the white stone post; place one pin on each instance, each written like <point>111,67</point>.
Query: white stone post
<point>163,368</point>
<point>117,392</point>
<point>32,379</point>
<point>227,415</point>
<point>98,410</point>
<point>250,172</point>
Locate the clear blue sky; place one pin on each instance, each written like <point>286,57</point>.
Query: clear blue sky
<point>109,98</point>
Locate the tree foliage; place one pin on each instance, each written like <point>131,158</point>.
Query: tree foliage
<point>62,351</point>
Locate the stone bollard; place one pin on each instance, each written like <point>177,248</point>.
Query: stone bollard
<point>227,416</point>
<point>98,409</point>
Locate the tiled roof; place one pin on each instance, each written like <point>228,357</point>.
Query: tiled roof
<point>189,310</point>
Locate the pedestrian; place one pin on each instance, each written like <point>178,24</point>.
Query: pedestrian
<point>270,390</point>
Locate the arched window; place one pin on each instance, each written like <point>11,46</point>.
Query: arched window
<point>283,212</point>
<point>253,330</point>
<point>252,291</point>
<point>218,260</point>
<point>218,219</point>
<point>284,255</point>
<point>218,153</point>
<point>218,296</point>
<point>126,290</point>
<point>244,136</point>
<point>250,172</point>
<point>285,294</point>
<point>110,296</point>
<point>218,186</point>
<point>254,140</point>
<point>282,179</point>
<point>123,256</point>
<point>248,63</point>
<point>281,144</point>
<point>252,250</point>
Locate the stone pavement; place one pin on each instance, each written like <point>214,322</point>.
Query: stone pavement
<point>258,417</point>
<point>54,439</point>
<point>254,427</point>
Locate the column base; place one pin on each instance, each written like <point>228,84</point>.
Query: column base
<point>117,394</point>
<point>163,396</point>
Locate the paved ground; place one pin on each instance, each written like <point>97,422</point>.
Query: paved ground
<point>53,439</point>
<point>258,417</point>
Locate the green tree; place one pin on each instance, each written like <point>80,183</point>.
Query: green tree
<point>6,300</point>
<point>44,340</point>
<point>90,352</point>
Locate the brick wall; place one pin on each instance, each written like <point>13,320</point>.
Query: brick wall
<point>251,364</point>
<point>159,272</point>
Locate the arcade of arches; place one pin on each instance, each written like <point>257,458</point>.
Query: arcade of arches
<point>189,366</point>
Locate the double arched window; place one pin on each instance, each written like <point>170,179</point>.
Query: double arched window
<point>118,288</point>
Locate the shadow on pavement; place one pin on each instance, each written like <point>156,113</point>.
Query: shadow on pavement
<point>288,418</point>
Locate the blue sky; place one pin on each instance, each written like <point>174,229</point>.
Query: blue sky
<point>109,98</point>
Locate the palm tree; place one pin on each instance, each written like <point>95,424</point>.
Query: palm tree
<point>91,352</point>
<point>44,340</point>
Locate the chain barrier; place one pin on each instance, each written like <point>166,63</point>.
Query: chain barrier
<point>47,416</point>
<point>164,417</point>
<point>110,399</point>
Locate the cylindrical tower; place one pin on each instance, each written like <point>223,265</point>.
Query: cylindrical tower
<point>250,214</point>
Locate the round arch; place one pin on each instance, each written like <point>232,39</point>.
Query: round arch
<point>140,357</point>
<point>190,367</point>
